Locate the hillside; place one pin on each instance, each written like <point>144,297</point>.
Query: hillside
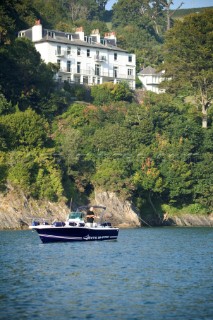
<point>62,141</point>
<point>179,14</point>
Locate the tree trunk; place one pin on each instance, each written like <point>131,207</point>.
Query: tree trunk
<point>204,115</point>
<point>153,207</point>
<point>204,120</point>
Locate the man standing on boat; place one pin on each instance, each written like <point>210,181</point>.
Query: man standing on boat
<point>90,216</point>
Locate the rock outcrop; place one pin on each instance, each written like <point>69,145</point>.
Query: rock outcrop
<point>17,212</point>
<point>189,220</point>
<point>120,213</point>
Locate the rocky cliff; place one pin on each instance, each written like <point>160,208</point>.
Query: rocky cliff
<point>121,213</point>
<point>189,220</point>
<point>17,211</point>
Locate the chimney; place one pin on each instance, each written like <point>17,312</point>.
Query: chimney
<point>80,31</point>
<point>96,33</point>
<point>37,31</point>
<point>111,36</point>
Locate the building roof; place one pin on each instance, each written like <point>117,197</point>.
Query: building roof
<point>149,71</point>
<point>77,42</point>
<point>61,37</point>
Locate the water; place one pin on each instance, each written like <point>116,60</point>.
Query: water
<point>149,273</point>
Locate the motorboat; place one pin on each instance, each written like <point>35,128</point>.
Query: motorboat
<point>75,227</point>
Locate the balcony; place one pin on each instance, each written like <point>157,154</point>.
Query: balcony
<point>64,70</point>
<point>100,58</point>
<point>107,74</point>
<point>60,53</point>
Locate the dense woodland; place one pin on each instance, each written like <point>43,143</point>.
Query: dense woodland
<point>63,142</point>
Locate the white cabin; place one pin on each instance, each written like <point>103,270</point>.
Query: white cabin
<point>151,79</point>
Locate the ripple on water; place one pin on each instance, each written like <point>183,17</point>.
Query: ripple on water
<point>150,273</point>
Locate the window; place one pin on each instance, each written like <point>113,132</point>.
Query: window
<point>77,79</point>
<point>58,49</point>
<point>51,34</point>
<point>85,80</point>
<point>98,81</point>
<point>88,52</point>
<point>115,72</point>
<point>69,36</point>
<point>130,58</point>
<point>68,50</point>
<point>115,56</point>
<point>78,67</point>
<point>78,51</point>
<point>130,72</point>
<point>68,79</point>
<point>97,55</point>
<point>59,63</point>
<point>97,70</point>
<point>68,66</point>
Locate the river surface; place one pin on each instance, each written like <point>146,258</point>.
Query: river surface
<point>148,273</point>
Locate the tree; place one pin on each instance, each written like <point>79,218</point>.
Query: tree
<point>167,5</point>
<point>23,75</point>
<point>15,15</point>
<point>24,129</point>
<point>188,59</point>
<point>5,106</point>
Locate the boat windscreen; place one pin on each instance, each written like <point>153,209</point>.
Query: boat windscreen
<point>75,215</point>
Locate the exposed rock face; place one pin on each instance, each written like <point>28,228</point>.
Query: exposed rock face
<point>16,211</point>
<point>189,220</point>
<point>120,213</point>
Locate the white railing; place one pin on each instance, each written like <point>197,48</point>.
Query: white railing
<point>106,74</point>
<point>100,58</point>
<point>60,53</point>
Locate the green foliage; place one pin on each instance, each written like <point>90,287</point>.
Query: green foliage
<point>154,153</point>
<point>122,92</point>
<point>108,92</point>
<point>102,94</point>
<point>50,12</point>
<point>36,173</point>
<point>3,170</point>
<point>89,26</point>
<point>24,129</point>
<point>27,85</point>
<point>203,180</point>
<point>77,91</point>
<point>112,176</point>
<point>188,56</point>
<point>15,15</point>
<point>5,106</point>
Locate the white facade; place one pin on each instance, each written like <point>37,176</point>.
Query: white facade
<point>83,59</point>
<point>151,79</point>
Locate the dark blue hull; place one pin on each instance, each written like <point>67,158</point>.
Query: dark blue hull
<point>67,234</point>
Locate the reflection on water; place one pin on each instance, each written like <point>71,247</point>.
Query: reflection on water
<point>149,273</point>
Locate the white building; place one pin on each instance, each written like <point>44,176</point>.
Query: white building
<point>83,59</point>
<point>151,79</point>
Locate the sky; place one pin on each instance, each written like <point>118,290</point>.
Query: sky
<point>187,4</point>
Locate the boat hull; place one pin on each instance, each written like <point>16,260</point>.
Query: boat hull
<point>69,234</point>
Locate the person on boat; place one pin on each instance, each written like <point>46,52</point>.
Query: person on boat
<point>90,216</point>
